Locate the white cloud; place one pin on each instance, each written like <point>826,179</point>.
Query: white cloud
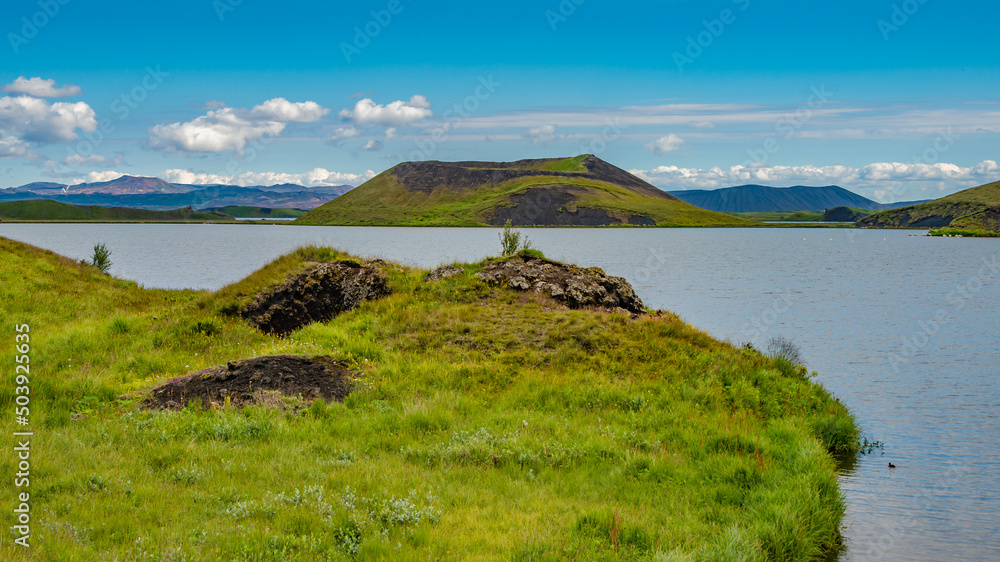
<point>343,133</point>
<point>78,160</point>
<point>395,114</point>
<point>96,177</point>
<point>41,88</point>
<point>229,129</point>
<point>12,147</point>
<point>842,120</point>
<point>664,145</point>
<point>35,120</point>
<point>280,109</point>
<point>220,130</point>
<point>372,146</point>
<point>545,134</point>
<point>390,133</point>
<point>885,177</point>
<point>312,178</point>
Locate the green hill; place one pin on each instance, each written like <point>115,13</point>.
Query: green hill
<point>47,210</point>
<point>579,191</point>
<point>940,212</point>
<point>245,212</point>
<point>482,423</point>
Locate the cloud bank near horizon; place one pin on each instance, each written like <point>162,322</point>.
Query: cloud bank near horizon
<point>885,180</point>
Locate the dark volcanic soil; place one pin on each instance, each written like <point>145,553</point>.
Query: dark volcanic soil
<point>247,382</point>
<point>935,221</point>
<point>315,295</point>
<point>555,205</point>
<point>842,214</point>
<point>425,177</point>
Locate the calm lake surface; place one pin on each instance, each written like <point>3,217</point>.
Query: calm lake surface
<point>902,328</point>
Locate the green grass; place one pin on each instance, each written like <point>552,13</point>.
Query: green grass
<point>382,201</point>
<point>791,216</point>
<point>958,205</point>
<point>988,194</point>
<point>48,210</point>
<point>245,212</point>
<point>574,164</point>
<point>963,232</point>
<point>484,424</point>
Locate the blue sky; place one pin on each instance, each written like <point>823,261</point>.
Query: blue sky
<point>895,100</point>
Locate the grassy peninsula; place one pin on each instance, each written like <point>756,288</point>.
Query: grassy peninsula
<point>579,191</point>
<point>483,423</point>
<point>48,210</point>
<point>974,209</point>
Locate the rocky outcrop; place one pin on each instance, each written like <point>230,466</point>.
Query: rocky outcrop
<point>443,272</point>
<point>843,214</point>
<point>557,205</point>
<point>250,380</point>
<point>576,287</point>
<point>315,295</point>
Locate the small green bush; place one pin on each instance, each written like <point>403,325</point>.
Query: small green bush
<point>512,240</point>
<point>101,259</point>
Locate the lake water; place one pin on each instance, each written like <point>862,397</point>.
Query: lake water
<point>902,328</point>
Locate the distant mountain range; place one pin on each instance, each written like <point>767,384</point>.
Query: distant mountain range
<point>155,194</point>
<point>759,198</point>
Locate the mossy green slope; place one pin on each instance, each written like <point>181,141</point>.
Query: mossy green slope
<point>48,210</point>
<point>484,424</point>
<point>247,212</point>
<point>450,201</point>
<point>939,212</point>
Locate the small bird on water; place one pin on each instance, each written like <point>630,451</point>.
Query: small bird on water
<point>892,465</point>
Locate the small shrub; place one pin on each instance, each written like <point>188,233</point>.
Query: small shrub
<point>206,327</point>
<point>119,326</point>
<point>96,483</point>
<point>318,409</point>
<point>101,259</point>
<point>780,347</point>
<point>185,475</point>
<point>512,240</point>
<point>348,537</point>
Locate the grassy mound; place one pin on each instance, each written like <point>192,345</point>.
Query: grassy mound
<point>942,212</point>
<point>484,193</point>
<point>483,423</point>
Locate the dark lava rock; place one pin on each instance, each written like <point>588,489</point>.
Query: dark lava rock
<point>246,382</point>
<point>556,205</point>
<point>315,295</point>
<point>443,272</point>
<point>843,214</point>
<point>574,286</point>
